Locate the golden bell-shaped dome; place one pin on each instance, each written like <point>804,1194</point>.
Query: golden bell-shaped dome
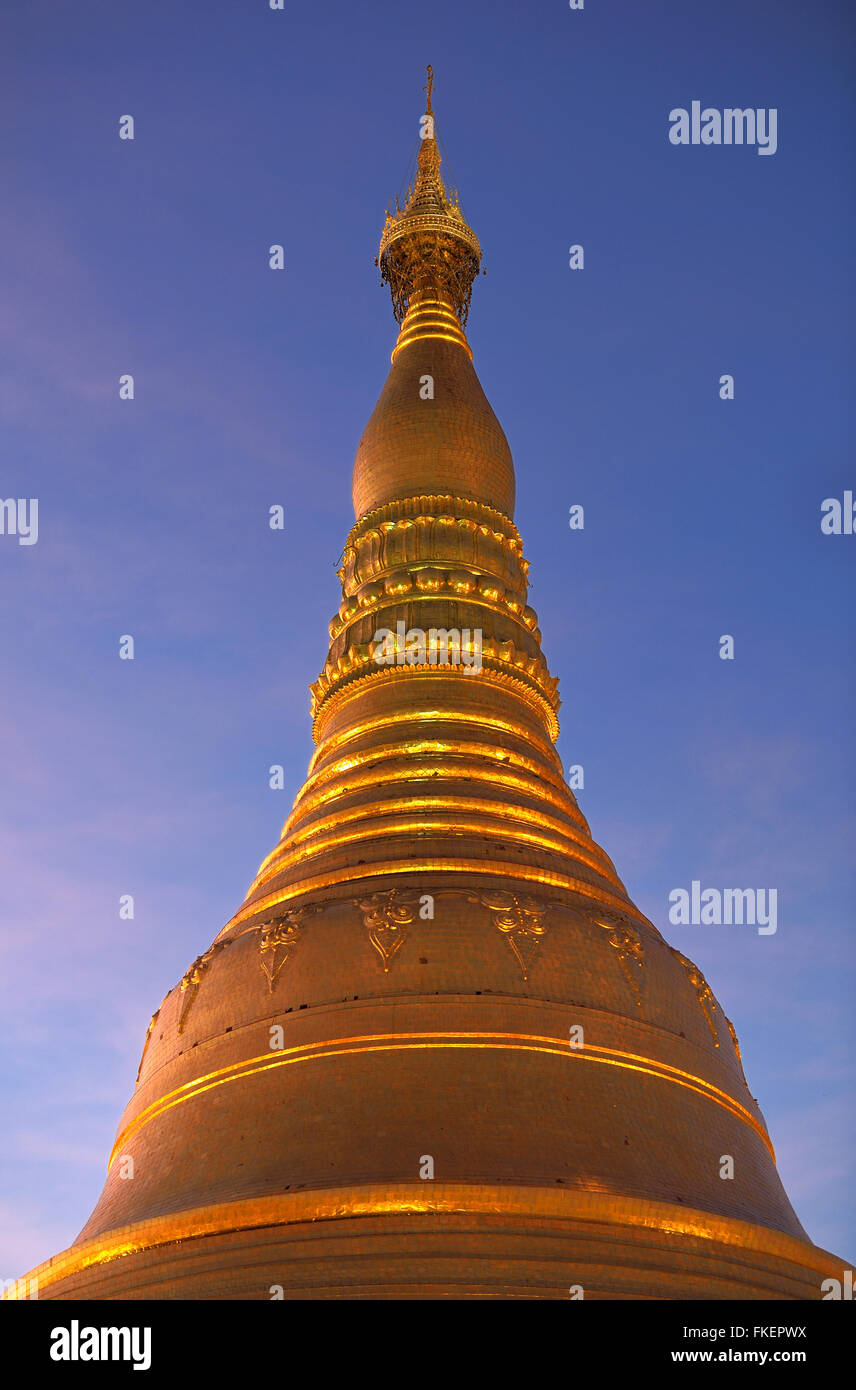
<point>448,443</point>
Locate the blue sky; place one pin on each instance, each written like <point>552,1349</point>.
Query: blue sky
<point>252,388</point>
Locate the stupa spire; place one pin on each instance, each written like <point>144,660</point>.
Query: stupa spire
<point>429,256</point>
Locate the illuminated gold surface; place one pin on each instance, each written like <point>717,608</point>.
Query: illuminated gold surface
<point>427,747</point>
<point>450,801</point>
<point>345,1047</point>
<point>357,873</point>
<point>461,514</point>
<point>430,319</point>
<point>382,604</point>
<point>359,658</point>
<point>428,253</point>
<point>437,1199</point>
<point>422,772</point>
<point>403,826</point>
<point>411,674</point>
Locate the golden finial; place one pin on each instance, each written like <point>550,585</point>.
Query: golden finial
<point>427,252</point>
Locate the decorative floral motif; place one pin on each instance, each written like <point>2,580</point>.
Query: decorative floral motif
<point>704,994</point>
<point>387,917</point>
<point>519,918</point>
<point>733,1033</point>
<point>277,939</point>
<point>627,943</point>
<point>149,1032</point>
<point>192,979</point>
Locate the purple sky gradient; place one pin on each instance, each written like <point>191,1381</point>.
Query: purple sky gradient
<point>702,517</point>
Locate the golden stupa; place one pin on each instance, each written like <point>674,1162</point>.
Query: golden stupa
<point>438,1052</point>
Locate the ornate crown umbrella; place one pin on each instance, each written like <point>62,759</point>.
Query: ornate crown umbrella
<point>429,256</point>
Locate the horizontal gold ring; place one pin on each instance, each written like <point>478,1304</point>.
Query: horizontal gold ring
<point>396,1042</point>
